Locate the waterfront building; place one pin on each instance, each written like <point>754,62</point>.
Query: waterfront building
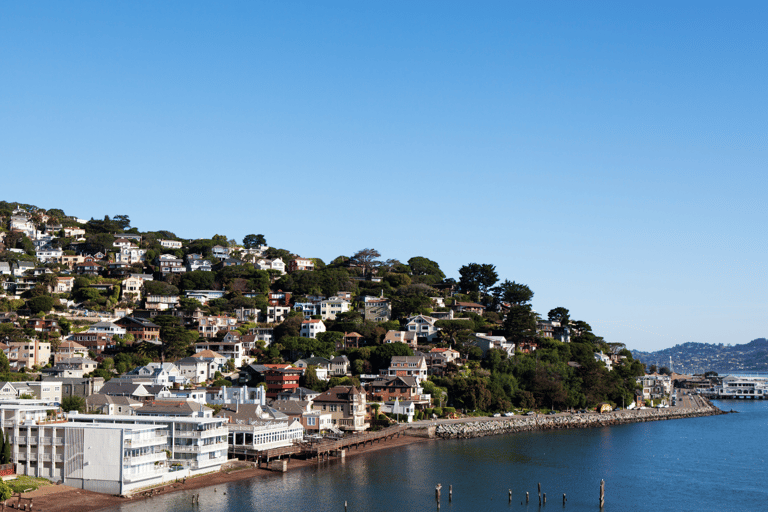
<point>740,386</point>
<point>313,421</point>
<point>196,445</point>
<point>346,404</point>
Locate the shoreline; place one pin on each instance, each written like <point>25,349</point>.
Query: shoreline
<point>60,498</point>
<point>470,428</point>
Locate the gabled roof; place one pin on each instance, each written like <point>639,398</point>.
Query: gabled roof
<point>338,394</point>
<point>208,354</point>
<point>250,413</point>
<point>102,399</point>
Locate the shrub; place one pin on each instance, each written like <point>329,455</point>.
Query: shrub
<point>438,412</point>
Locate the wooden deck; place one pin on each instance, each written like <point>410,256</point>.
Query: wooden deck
<point>321,450</point>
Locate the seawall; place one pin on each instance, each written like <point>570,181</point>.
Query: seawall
<point>472,427</point>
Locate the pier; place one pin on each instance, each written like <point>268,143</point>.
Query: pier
<point>276,458</point>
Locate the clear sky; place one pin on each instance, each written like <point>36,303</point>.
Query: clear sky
<point>610,155</point>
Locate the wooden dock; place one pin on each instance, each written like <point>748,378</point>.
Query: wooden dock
<point>321,450</point>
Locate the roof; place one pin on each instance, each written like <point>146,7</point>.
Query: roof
<point>102,399</point>
<point>291,407</point>
<point>208,354</point>
<point>172,407</point>
<point>408,381</point>
<point>469,305</point>
<point>338,394</point>
<point>340,359</point>
<point>248,413</point>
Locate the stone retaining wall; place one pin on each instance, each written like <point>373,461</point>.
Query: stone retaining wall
<point>480,428</point>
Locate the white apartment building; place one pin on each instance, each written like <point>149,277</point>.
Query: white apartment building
<point>332,307</point>
<point>311,328</point>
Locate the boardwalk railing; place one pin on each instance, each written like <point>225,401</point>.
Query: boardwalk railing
<point>321,449</point>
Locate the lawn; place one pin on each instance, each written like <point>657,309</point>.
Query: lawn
<point>24,483</point>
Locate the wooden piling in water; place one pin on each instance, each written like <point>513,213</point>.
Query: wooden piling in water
<point>450,493</point>
<point>545,498</point>
<point>564,500</point>
<point>527,498</point>
<point>602,493</point>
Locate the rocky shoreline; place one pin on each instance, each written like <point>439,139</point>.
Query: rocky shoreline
<point>472,427</point>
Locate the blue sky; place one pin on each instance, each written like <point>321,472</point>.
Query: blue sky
<point>609,155</point>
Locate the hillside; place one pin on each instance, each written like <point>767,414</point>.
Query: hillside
<point>700,357</point>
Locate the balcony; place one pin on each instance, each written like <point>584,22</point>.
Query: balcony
<point>142,459</point>
<point>189,448</point>
<point>220,431</point>
<point>158,439</point>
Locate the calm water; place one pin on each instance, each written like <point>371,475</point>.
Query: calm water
<point>701,464</point>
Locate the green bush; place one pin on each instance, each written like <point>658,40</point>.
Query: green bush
<point>449,410</point>
<point>429,411</point>
<point>438,412</point>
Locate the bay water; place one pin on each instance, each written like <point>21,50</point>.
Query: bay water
<point>715,463</point>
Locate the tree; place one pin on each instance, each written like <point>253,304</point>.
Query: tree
<point>254,241</point>
<point>5,490</point>
<point>5,366</point>
<point>366,258</point>
<point>73,403</point>
<point>6,459</point>
<point>425,270</point>
<point>477,277</point>
<point>512,292</point>
<point>560,315</point>
<point>177,340</point>
<point>520,323</point>
<point>450,328</point>
<point>122,221</point>
<point>40,304</point>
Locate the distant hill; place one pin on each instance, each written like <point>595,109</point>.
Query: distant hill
<point>700,357</point>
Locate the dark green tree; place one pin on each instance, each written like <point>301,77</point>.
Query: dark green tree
<point>512,292</point>
<point>254,241</point>
<point>477,277</point>
<point>561,315</point>
<point>73,403</point>
<point>40,304</point>
<point>520,323</point>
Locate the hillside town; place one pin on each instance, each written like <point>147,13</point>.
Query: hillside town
<point>135,358</point>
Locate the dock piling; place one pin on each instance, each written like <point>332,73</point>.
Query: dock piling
<point>602,493</point>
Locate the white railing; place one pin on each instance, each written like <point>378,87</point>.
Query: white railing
<point>148,457</point>
<point>219,431</point>
<point>192,448</point>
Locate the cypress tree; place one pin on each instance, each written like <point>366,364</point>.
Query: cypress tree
<point>2,448</point>
<point>6,458</point>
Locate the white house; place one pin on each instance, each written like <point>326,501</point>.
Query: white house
<point>332,307</point>
<point>311,328</point>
